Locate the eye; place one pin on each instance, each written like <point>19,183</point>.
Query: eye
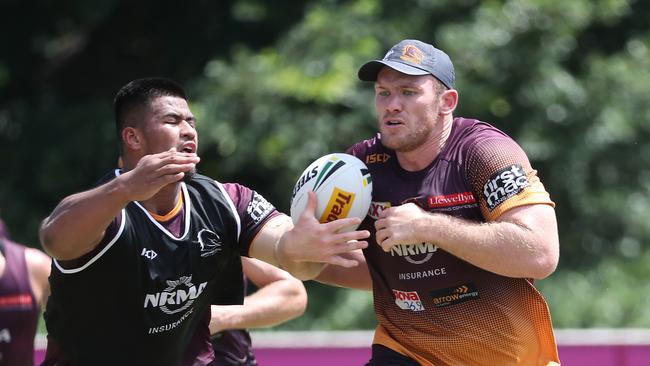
<point>408,92</point>
<point>382,93</point>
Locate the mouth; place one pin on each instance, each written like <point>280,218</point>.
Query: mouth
<point>188,147</point>
<point>393,122</point>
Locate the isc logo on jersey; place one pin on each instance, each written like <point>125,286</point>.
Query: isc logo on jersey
<point>504,184</point>
<point>178,296</point>
<point>408,300</point>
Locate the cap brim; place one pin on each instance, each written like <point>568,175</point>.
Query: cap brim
<point>369,71</point>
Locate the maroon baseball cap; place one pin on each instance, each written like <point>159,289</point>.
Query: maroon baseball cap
<point>413,57</point>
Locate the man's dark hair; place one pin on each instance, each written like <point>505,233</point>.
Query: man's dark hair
<point>139,93</point>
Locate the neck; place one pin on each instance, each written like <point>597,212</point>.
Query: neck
<point>164,201</point>
<point>420,157</point>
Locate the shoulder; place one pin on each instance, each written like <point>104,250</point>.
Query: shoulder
<point>365,147</point>
<point>472,131</point>
<point>370,150</point>
<point>201,179</point>
<point>37,261</point>
<point>473,139</point>
<point>228,187</point>
<point>202,185</point>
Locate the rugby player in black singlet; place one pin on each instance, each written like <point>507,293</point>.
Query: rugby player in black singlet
<point>460,226</point>
<point>140,258</point>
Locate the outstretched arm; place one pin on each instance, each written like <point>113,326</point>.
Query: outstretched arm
<point>280,298</point>
<point>78,223</point>
<point>304,249</point>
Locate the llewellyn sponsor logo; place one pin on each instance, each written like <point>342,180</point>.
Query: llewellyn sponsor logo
<point>338,205</point>
<point>178,296</point>
<point>456,199</point>
<point>504,184</point>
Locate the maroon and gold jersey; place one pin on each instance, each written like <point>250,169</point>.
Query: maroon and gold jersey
<point>432,306</point>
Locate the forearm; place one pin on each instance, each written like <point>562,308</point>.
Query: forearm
<point>271,305</point>
<point>269,247</point>
<point>356,277</point>
<point>77,224</point>
<point>301,270</point>
<point>304,249</point>
<point>510,249</point>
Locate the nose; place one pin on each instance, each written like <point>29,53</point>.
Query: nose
<point>188,131</point>
<point>393,103</point>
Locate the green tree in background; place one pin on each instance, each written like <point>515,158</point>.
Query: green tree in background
<point>274,86</point>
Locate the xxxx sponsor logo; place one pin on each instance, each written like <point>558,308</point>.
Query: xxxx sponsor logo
<point>376,208</point>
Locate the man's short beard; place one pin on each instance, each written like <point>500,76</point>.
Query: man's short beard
<point>189,175</point>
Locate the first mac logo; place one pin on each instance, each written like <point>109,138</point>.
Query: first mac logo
<point>504,184</point>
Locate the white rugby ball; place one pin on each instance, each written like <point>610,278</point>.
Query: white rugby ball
<point>342,184</point>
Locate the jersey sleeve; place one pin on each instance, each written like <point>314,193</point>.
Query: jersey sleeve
<point>254,211</point>
<point>501,176</point>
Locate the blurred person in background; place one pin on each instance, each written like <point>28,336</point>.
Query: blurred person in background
<point>273,297</point>
<point>24,290</point>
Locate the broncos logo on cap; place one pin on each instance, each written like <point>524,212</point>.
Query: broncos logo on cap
<point>412,54</point>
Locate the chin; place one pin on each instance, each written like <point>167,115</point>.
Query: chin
<point>189,175</point>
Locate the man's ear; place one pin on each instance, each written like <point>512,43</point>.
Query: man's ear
<point>131,138</point>
<point>448,101</point>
